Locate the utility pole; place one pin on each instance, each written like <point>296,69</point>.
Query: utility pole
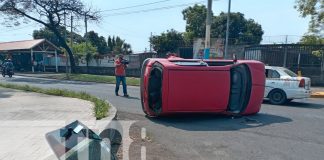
<point>86,30</point>
<point>71,42</point>
<point>67,62</point>
<point>86,37</point>
<point>208,26</point>
<point>71,36</point>
<point>227,29</point>
<point>286,52</point>
<point>86,23</point>
<point>151,42</point>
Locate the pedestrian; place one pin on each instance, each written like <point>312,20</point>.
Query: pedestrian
<point>120,73</point>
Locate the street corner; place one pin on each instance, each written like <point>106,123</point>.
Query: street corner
<point>317,95</point>
<point>103,124</point>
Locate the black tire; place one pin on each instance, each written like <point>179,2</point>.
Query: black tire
<point>3,75</point>
<point>289,100</point>
<point>142,83</point>
<point>277,97</point>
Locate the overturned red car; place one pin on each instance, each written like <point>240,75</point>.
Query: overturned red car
<point>176,85</point>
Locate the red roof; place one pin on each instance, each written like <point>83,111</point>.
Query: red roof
<point>21,45</point>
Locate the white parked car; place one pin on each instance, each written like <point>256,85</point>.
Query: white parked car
<point>283,85</point>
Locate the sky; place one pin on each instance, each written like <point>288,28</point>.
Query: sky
<point>277,18</point>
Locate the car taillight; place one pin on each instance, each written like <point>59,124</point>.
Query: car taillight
<point>302,83</point>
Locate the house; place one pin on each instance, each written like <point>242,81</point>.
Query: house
<point>29,55</point>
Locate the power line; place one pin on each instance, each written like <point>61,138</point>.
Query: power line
<point>6,32</point>
<point>140,5</point>
<point>153,9</point>
<point>14,29</point>
<point>123,34</point>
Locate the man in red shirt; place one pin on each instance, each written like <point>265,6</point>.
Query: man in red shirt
<point>120,74</point>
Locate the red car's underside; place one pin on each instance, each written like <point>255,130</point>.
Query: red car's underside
<point>218,86</point>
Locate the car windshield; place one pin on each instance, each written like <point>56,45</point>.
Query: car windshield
<point>290,73</point>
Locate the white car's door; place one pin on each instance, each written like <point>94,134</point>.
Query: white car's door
<point>272,81</point>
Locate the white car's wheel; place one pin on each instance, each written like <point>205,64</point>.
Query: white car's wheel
<point>277,97</point>
<point>289,100</point>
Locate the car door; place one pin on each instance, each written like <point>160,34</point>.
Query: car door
<point>272,81</point>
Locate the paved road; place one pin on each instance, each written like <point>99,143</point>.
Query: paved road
<point>293,131</point>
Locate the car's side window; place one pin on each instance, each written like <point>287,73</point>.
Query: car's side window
<point>275,74</point>
<point>272,74</point>
<point>267,73</point>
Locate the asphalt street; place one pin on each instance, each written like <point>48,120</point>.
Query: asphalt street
<point>293,131</point>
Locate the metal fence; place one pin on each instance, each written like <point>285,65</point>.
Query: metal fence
<point>308,59</point>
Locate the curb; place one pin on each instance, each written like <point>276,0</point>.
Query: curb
<point>112,114</point>
<point>317,95</point>
<point>26,75</point>
<point>105,123</point>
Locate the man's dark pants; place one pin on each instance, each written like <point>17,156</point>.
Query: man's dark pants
<point>123,80</point>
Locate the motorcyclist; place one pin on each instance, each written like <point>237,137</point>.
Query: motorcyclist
<point>7,66</point>
<point>3,65</point>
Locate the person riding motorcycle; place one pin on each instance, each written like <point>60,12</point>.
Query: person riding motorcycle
<point>7,68</point>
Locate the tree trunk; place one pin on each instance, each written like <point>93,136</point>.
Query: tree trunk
<point>66,47</point>
<point>88,67</point>
<point>71,57</point>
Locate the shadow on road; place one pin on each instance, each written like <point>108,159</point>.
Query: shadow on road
<point>5,93</point>
<point>46,81</point>
<point>136,98</point>
<point>212,122</point>
<point>299,105</point>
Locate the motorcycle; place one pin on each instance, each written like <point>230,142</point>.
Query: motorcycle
<point>8,69</point>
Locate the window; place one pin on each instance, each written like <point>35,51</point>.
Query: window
<point>272,74</point>
<point>290,73</point>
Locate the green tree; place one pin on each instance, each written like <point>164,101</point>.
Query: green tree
<point>118,46</point>
<point>49,13</point>
<point>84,50</point>
<point>45,33</point>
<point>127,48</point>
<point>113,42</point>
<point>169,41</point>
<point>312,39</point>
<point>314,9</point>
<point>195,18</point>
<point>242,30</point>
<point>110,44</point>
<point>99,42</point>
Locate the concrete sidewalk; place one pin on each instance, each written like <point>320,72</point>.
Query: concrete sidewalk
<point>25,118</point>
<point>317,92</point>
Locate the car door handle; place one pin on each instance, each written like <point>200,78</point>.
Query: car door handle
<point>273,82</point>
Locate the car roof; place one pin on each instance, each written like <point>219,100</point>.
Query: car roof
<point>274,67</point>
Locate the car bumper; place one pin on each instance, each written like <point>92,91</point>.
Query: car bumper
<point>299,94</point>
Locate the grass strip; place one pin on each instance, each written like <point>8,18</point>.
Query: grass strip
<point>131,81</point>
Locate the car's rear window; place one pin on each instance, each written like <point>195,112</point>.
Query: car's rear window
<point>290,73</point>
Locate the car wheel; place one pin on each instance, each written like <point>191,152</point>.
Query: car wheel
<point>142,85</point>
<point>277,97</point>
<point>288,100</point>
